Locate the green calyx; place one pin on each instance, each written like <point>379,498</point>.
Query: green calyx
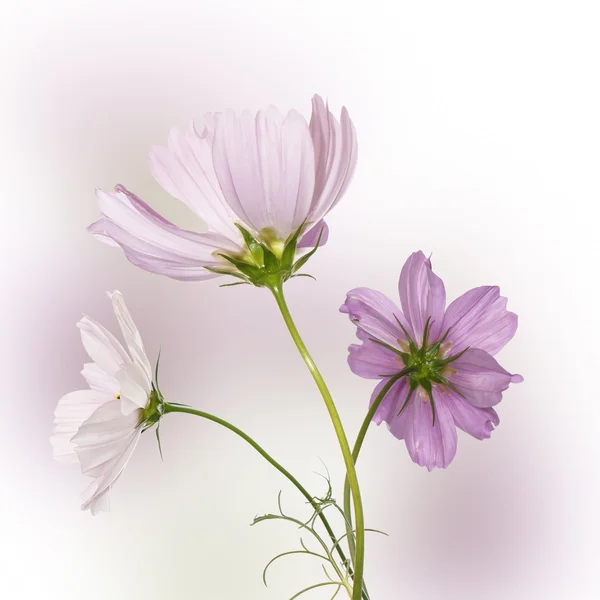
<point>424,366</point>
<point>268,261</point>
<point>154,409</point>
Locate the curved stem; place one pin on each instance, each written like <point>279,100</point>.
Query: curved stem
<point>357,590</point>
<point>356,451</point>
<point>171,408</point>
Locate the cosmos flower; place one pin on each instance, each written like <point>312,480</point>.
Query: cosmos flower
<point>99,428</point>
<point>438,361</point>
<point>263,175</point>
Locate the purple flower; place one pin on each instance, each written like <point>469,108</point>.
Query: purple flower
<point>273,175</point>
<point>439,361</point>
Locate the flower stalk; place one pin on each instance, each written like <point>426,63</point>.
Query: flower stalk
<point>358,571</point>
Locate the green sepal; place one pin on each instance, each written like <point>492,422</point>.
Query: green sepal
<point>426,385</point>
<point>411,344</point>
<point>411,390</point>
<point>289,252</point>
<point>235,283</point>
<point>254,246</point>
<point>249,270</point>
<point>441,362</point>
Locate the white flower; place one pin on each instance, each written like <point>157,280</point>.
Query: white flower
<point>99,428</point>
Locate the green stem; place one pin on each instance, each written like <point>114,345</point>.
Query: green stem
<point>356,451</point>
<point>171,408</point>
<point>357,590</point>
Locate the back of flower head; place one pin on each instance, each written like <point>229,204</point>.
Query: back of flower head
<point>99,427</point>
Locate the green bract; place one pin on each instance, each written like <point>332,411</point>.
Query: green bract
<point>268,262</point>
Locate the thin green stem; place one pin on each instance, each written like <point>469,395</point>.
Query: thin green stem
<point>356,451</point>
<point>357,590</point>
<point>171,408</point>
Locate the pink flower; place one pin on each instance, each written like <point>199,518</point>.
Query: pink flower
<point>268,173</point>
<point>441,359</point>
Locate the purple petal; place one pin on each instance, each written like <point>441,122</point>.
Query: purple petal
<point>372,361</point>
<point>310,238</point>
<point>478,422</point>
<point>428,445</point>
<point>155,244</point>
<point>185,170</point>
<point>392,402</point>
<point>480,379</point>
<point>422,295</point>
<point>479,319</point>
<point>335,155</point>
<point>265,167</point>
<point>375,313</point>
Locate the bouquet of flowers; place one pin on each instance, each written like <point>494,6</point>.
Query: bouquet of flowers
<point>264,184</point>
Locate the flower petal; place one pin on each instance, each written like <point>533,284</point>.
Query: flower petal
<point>153,243</point>
<point>265,167</point>
<point>480,379</point>
<point>311,237</point>
<point>479,319</point>
<point>393,401</point>
<point>376,314</point>
<point>132,336</point>
<point>428,445</point>
<point>135,387</point>
<point>102,346</point>
<point>104,444</point>
<point>478,422</point>
<point>185,170</point>
<point>422,295</point>
<point>72,410</point>
<point>335,152</point>
<point>373,361</point>
<point>99,380</point>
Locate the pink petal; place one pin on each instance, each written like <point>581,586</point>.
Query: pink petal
<point>376,314</point>
<point>479,319</point>
<point>310,238</point>
<point>185,170</point>
<point>422,295</point>
<point>335,151</point>
<point>428,445</point>
<point>373,361</point>
<point>265,167</point>
<point>155,244</point>
<point>478,422</point>
<point>480,379</point>
<point>392,402</point>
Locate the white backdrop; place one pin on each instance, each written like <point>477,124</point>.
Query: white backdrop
<point>478,126</point>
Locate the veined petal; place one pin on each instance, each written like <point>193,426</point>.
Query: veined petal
<point>478,422</point>
<point>102,346</point>
<point>185,170</point>
<point>104,444</point>
<point>480,379</point>
<point>132,336</point>
<point>336,153</point>
<point>135,387</point>
<point>392,403</point>
<point>265,167</point>
<point>479,319</point>
<point>372,361</point>
<point>422,295</point>
<point>429,445</point>
<point>311,237</point>
<point>376,314</point>
<point>155,244</point>
<point>99,380</point>
<point>72,410</point>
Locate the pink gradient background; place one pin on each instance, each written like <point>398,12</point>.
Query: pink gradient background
<point>478,141</point>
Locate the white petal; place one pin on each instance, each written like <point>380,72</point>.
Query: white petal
<point>99,380</point>
<point>72,410</point>
<point>101,346</point>
<point>135,388</point>
<point>104,445</point>
<point>132,336</point>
